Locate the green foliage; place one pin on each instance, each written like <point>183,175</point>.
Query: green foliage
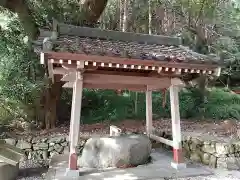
<point>106,105</point>
<point>21,78</point>
<point>222,105</point>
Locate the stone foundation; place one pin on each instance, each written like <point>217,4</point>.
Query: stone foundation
<point>44,148</point>
<point>214,152</point>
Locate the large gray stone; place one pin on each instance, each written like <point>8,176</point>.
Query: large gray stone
<point>103,152</point>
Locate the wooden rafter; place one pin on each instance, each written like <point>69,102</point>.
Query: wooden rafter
<point>61,57</point>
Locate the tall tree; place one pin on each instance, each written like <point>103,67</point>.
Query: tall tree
<point>89,12</point>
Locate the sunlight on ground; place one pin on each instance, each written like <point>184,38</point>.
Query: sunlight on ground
<point>126,176</point>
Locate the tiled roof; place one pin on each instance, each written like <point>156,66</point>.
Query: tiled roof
<point>94,41</point>
<point>135,50</point>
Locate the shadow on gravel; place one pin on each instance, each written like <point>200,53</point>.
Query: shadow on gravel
<point>30,172</point>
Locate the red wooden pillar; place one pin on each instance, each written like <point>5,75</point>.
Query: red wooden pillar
<point>178,159</point>
<point>75,125</point>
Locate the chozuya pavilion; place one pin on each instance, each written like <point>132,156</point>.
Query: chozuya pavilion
<point>101,59</point>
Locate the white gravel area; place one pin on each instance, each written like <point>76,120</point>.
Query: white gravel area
<point>35,170</point>
<point>219,174</point>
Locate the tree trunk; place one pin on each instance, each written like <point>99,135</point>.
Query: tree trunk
<point>125,15</point>
<point>121,6</point>
<point>149,16</point>
<point>91,11</point>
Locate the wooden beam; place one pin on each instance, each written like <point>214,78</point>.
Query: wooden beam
<point>60,70</point>
<point>65,29</point>
<point>140,88</point>
<point>50,71</point>
<point>128,61</point>
<point>162,140</point>
<point>108,79</point>
<point>177,82</point>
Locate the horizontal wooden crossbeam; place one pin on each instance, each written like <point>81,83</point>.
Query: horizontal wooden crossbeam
<point>161,139</point>
<point>119,79</point>
<point>115,86</point>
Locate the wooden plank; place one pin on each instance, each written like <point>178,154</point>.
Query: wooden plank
<point>65,29</point>
<point>109,86</point>
<point>129,61</point>
<point>108,79</point>
<point>162,140</point>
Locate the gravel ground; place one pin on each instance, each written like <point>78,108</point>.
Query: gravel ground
<point>32,170</point>
<point>219,175</point>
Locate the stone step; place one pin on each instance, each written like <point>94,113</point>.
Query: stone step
<point>10,154</point>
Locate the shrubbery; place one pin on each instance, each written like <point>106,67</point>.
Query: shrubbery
<point>98,106</point>
<point>106,105</point>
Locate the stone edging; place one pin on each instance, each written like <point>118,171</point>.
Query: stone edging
<point>44,148</point>
<point>214,152</point>
<point>209,152</point>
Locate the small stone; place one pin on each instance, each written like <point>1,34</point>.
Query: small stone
<point>11,141</point>
<point>233,163</point>
<point>66,150</point>
<point>33,155</point>
<point>58,148</point>
<point>186,146</point>
<point>21,144</point>
<point>44,140</point>
<point>194,156</point>
<point>64,144</point>
<point>57,139</point>
<point>36,140</point>
<point>51,144</point>
<point>45,155</point>
<point>221,163</point>
<point>40,146</point>
<point>53,153</point>
<point>213,161</point>
<point>224,148</point>
<point>205,158</point>
<point>81,142</point>
<point>237,146</point>
<point>29,139</point>
<point>208,148</point>
<point>51,148</point>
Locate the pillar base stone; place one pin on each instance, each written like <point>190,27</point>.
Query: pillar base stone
<point>178,166</point>
<point>72,173</point>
